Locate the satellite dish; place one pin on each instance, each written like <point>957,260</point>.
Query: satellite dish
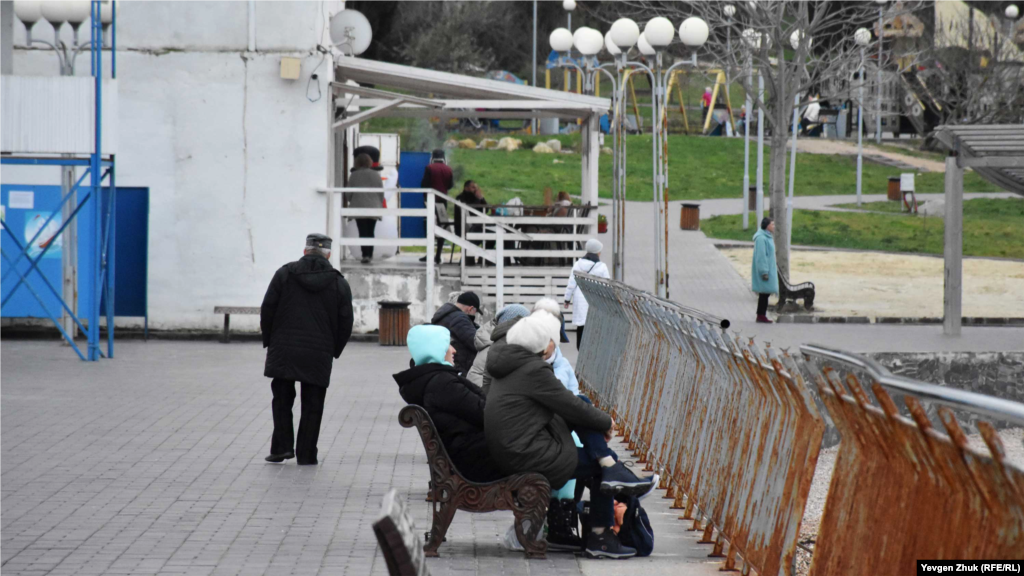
<point>351,32</point>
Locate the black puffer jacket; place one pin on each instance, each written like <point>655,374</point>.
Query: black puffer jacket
<point>456,406</point>
<point>306,319</point>
<point>527,414</point>
<point>463,332</point>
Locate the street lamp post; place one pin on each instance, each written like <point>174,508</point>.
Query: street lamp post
<point>795,40</point>
<point>878,113</point>
<point>750,40</point>
<point>863,38</point>
<point>619,40</point>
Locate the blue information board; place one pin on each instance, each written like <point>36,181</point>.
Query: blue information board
<point>26,210</point>
<point>410,175</point>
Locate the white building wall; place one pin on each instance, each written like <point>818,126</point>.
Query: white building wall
<point>231,153</point>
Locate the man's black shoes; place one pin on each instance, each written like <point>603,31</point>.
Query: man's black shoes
<point>618,479</point>
<point>607,545</point>
<point>278,458</point>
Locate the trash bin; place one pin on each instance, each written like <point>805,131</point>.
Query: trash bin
<point>752,198</point>
<point>394,323</point>
<point>689,217</point>
<point>893,191</point>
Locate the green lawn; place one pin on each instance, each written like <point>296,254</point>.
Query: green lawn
<point>699,167</point>
<point>882,206</point>
<point>992,227</point>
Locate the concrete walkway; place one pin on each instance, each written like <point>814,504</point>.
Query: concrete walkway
<point>152,464</point>
<point>701,277</point>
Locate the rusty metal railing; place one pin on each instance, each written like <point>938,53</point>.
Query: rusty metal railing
<point>903,491</point>
<point>733,430</point>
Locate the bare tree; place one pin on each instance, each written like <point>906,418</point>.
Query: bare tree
<point>824,63</point>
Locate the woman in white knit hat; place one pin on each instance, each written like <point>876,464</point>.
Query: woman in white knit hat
<point>589,264</point>
<point>528,420</point>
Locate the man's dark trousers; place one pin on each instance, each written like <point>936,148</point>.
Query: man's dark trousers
<point>312,412</point>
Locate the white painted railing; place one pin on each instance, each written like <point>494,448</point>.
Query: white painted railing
<point>498,230</point>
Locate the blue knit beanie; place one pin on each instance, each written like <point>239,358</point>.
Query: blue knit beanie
<point>511,312</point>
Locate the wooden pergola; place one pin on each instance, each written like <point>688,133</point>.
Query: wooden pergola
<point>996,153</point>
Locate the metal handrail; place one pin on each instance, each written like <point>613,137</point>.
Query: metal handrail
<point>971,401</point>
<point>691,312</point>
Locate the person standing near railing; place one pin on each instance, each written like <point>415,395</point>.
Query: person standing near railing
<point>589,264</point>
<point>472,195</point>
<point>764,274</point>
<point>438,176</point>
<point>364,176</point>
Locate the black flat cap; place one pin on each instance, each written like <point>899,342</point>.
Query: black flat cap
<point>437,154</point>
<point>469,299</point>
<point>373,152</point>
<point>318,241</point>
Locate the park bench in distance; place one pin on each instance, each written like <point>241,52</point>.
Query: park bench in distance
<point>525,495</point>
<point>227,311</point>
<point>790,293</point>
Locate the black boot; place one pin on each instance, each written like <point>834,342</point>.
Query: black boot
<point>563,527</point>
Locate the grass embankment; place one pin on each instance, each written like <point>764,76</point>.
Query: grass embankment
<point>992,227</point>
<point>699,168</point>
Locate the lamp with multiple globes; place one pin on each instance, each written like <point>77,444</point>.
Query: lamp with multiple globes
<point>561,40</point>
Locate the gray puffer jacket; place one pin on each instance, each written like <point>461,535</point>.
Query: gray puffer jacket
<point>477,371</point>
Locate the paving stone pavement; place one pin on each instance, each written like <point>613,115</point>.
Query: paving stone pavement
<point>152,464</point>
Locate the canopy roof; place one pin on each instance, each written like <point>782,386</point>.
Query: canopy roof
<point>467,96</point>
<point>995,152</point>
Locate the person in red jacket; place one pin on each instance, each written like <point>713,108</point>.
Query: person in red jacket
<point>439,177</point>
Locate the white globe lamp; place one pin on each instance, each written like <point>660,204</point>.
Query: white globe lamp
<point>751,38</point>
<point>560,40</point>
<point>645,47</point>
<point>693,32</point>
<point>625,33</point>
<point>729,10</point>
<point>569,5</point>
<point>659,32</point>
<point>27,11</point>
<point>588,41</point>
<point>107,9</point>
<point>797,37</point>
<point>351,32</point>
<point>1012,11</point>
<point>59,12</point>
<point>610,46</point>
<point>862,36</point>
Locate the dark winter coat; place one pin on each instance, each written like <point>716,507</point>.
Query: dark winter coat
<point>456,406</point>
<point>528,414</point>
<point>463,333</point>
<point>306,319</point>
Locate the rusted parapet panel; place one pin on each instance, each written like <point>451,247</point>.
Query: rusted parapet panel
<point>905,489</point>
<point>732,429</point>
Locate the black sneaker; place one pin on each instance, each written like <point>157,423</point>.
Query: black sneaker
<point>278,458</point>
<point>607,545</point>
<point>618,479</point>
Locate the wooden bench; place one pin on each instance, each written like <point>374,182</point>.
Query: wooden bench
<point>227,311</point>
<point>790,293</point>
<point>525,495</point>
<point>399,542</point>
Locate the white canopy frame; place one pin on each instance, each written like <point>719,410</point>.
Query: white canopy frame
<point>458,96</point>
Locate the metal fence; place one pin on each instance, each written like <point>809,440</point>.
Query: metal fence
<point>735,433</point>
<point>901,489</point>
<point>732,430</point>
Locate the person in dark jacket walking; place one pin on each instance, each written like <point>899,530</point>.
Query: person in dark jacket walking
<point>455,404</point>
<point>458,319</point>
<point>306,320</point>
<point>438,176</point>
<point>528,418</point>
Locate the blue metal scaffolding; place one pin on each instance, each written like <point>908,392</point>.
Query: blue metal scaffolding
<point>98,169</point>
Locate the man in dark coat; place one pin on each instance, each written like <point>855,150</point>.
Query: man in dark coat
<point>306,319</point>
<point>472,195</point>
<point>455,404</point>
<point>527,420</point>
<point>458,319</point>
<point>438,176</point>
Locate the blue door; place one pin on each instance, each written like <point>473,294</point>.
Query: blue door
<point>410,175</point>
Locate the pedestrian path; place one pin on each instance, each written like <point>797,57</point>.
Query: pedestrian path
<point>933,204</point>
<point>152,464</point>
<point>701,277</point>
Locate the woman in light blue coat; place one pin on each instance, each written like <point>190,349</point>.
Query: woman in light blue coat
<point>764,273</point>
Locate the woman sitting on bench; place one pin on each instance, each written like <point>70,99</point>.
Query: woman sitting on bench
<point>455,404</point>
